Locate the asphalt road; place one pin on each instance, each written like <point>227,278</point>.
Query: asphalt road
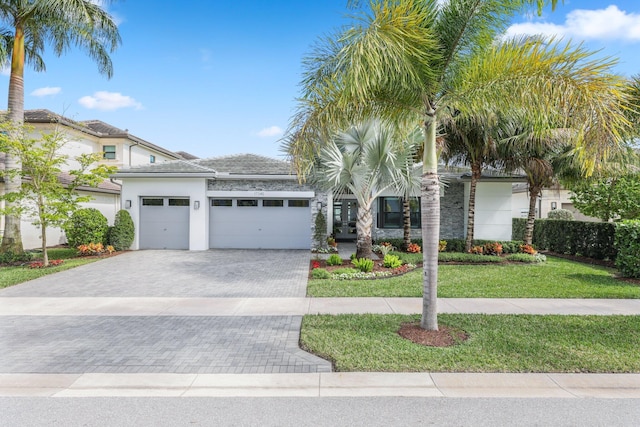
<point>317,412</point>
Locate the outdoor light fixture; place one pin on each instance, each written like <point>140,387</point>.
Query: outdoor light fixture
<point>127,204</point>
<point>554,206</point>
<point>196,205</point>
<point>319,206</point>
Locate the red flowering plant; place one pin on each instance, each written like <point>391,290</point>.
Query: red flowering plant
<point>414,248</point>
<point>315,264</point>
<point>40,264</point>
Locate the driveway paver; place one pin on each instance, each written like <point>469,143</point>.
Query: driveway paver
<point>146,342</point>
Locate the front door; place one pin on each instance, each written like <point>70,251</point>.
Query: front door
<point>345,214</point>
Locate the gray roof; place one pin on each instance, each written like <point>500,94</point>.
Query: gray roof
<point>237,164</point>
<point>92,127</point>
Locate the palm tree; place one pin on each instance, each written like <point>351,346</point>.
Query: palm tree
<point>62,23</point>
<point>364,161</point>
<point>414,62</point>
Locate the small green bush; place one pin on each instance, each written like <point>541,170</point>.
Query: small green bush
<point>11,257</point>
<point>408,258</point>
<point>122,233</point>
<point>363,264</point>
<point>86,226</point>
<point>527,258</point>
<point>627,241</point>
<point>345,270</point>
<point>334,259</point>
<point>320,273</point>
<point>467,258</point>
<point>391,261</point>
<point>563,214</point>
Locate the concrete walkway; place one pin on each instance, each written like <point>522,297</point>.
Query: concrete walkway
<point>183,330</point>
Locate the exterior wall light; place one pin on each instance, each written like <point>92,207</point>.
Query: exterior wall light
<point>196,205</point>
<point>554,206</point>
<point>127,204</point>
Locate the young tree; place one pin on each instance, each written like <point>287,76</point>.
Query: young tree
<point>47,195</point>
<point>35,24</point>
<point>609,198</point>
<point>364,161</point>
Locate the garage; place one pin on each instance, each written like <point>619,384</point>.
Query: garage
<point>164,223</point>
<point>259,223</point>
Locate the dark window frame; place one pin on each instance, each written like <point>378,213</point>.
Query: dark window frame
<point>386,217</point>
<point>109,152</point>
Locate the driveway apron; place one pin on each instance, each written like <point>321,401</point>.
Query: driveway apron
<point>164,344</point>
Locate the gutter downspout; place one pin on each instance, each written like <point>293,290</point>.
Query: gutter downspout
<point>130,147</point>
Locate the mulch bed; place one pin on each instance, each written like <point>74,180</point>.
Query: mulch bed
<point>443,337</point>
<point>377,267</point>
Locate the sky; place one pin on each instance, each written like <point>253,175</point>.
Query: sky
<point>214,78</point>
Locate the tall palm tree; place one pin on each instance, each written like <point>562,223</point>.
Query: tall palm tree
<point>414,62</point>
<point>365,161</point>
<point>62,24</point>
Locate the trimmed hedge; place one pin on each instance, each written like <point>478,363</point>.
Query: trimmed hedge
<point>627,240</point>
<point>86,226</point>
<point>589,239</point>
<point>457,245</point>
<point>122,233</point>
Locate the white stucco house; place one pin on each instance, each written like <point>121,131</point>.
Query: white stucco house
<point>551,198</point>
<point>252,201</point>
<point>118,147</point>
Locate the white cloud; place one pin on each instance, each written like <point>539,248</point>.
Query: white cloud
<point>108,101</point>
<point>603,24</point>
<point>270,131</point>
<point>46,91</point>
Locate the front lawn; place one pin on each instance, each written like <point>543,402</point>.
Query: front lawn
<point>10,276</point>
<point>556,278</point>
<point>497,343</point>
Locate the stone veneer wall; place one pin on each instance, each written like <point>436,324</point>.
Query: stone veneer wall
<point>276,185</point>
<point>451,217</point>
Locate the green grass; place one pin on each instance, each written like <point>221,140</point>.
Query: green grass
<point>497,343</point>
<point>556,278</point>
<point>10,276</point>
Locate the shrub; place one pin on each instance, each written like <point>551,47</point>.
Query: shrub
<point>525,257</point>
<point>383,248</point>
<point>11,257</point>
<point>477,250</point>
<point>86,226</point>
<point>527,249</point>
<point>391,261</point>
<point>363,264</point>
<point>408,258</point>
<point>414,248</point>
<point>95,249</point>
<point>320,273</point>
<point>40,264</point>
<point>467,258</point>
<point>563,214</point>
<point>442,246</point>
<point>315,264</point>
<point>627,241</point>
<point>494,248</point>
<point>320,230</point>
<point>122,233</point>
<point>334,259</point>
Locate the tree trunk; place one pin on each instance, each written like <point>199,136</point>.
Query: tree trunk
<point>406,225</point>
<point>45,255</point>
<point>476,172</point>
<point>531,217</point>
<point>363,229</point>
<point>430,215</point>
<point>12,239</point>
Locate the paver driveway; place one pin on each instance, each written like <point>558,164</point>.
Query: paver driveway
<point>213,273</point>
<point>173,344</point>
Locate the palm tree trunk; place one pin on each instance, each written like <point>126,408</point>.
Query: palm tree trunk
<point>476,172</point>
<point>406,225</point>
<point>364,223</point>
<point>534,192</point>
<point>12,239</point>
<point>430,215</point>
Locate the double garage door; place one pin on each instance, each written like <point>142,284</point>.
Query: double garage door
<point>164,223</point>
<point>260,223</point>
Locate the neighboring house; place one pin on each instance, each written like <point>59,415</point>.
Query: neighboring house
<point>252,201</point>
<point>551,198</point>
<point>119,149</point>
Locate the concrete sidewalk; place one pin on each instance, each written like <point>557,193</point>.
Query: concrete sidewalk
<point>352,384</point>
<point>168,306</point>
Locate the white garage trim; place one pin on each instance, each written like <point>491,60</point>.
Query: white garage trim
<point>251,222</point>
<point>265,194</point>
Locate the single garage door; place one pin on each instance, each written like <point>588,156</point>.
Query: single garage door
<point>247,223</point>
<point>164,223</point>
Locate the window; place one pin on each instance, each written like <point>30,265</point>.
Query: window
<point>247,202</point>
<point>298,203</point>
<point>221,202</point>
<point>109,152</point>
<point>390,212</point>
<point>178,202</point>
<point>152,202</point>
<point>152,158</point>
<point>273,203</point>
